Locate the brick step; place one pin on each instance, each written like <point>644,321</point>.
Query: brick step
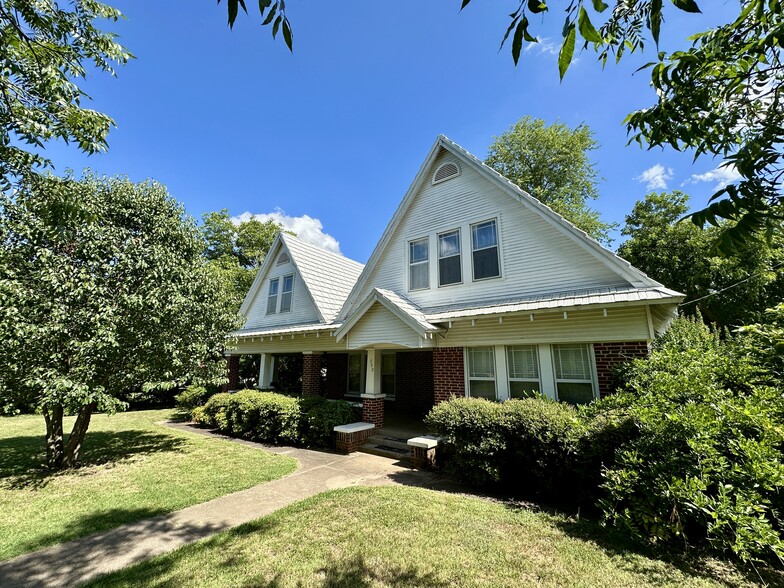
<point>389,441</point>
<point>387,451</point>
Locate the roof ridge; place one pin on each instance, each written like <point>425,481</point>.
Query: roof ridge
<point>286,237</point>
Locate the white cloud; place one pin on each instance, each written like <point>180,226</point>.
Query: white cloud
<point>307,228</point>
<point>656,177</point>
<point>544,47</point>
<point>722,175</point>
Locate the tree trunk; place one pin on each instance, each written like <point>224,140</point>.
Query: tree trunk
<point>76,438</point>
<point>53,415</point>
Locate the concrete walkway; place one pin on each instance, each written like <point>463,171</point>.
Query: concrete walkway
<point>78,561</point>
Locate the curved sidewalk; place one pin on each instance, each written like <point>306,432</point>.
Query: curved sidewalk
<point>81,560</point>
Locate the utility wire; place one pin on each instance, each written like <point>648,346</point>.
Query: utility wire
<point>738,283</point>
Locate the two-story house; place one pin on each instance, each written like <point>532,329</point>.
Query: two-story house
<point>475,288</point>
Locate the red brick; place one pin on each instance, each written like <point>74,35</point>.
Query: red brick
<point>609,355</point>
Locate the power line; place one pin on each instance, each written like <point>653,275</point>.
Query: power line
<point>738,283</point>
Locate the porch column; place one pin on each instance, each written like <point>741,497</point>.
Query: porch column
<point>232,372</point>
<point>266,364</point>
<point>311,373</point>
<point>373,398</point>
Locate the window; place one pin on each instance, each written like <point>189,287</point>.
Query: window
<point>283,258</point>
<point>481,372</point>
<point>484,243</point>
<point>419,264</point>
<point>388,375</point>
<point>523,365</point>
<point>285,296</point>
<point>573,373</point>
<point>449,270</point>
<point>272,299</point>
<point>355,373</point>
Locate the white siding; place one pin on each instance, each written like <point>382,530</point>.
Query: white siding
<point>585,326</point>
<point>535,257</point>
<point>302,309</point>
<point>378,327</point>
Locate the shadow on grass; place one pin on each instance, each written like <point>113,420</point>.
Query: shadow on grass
<point>22,459</point>
<point>72,563</point>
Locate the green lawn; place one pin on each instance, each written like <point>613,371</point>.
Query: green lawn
<point>132,469</point>
<point>400,536</point>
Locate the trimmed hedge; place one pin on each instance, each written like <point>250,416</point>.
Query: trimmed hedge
<point>275,418</point>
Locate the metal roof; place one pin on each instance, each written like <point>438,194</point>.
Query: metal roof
<point>287,330</point>
<point>593,296</point>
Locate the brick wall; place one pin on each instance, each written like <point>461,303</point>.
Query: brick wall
<point>337,374</point>
<point>373,411</point>
<point>232,372</point>
<point>612,354</point>
<point>311,374</point>
<point>350,442</point>
<point>414,381</point>
<point>448,373</point>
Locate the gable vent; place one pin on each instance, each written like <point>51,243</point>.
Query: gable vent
<point>283,258</point>
<point>445,172</point>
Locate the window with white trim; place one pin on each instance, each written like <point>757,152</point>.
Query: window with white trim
<point>272,298</point>
<point>574,374</point>
<point>481,372</point>
<point>419,264</point>
<point>286,293</point>
<point>484,246</point>
<point>522,363</point>
<point>449,264</point>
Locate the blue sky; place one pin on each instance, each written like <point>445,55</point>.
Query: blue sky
<point>337,130</point>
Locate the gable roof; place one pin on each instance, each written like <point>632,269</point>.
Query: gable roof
<point>635,277</point>
<point>398,305</point>
<point>328,276</point>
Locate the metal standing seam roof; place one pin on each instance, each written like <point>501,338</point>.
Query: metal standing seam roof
<point>407,307</point>
<point>589,297</point>
<point>285,330</point>
<point>328,276</point>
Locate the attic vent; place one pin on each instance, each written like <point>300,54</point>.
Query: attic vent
<point>446,171</point>
<point>283,258</point>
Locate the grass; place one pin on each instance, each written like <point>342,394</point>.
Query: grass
<point>400,536</point>
<point>132,469</point>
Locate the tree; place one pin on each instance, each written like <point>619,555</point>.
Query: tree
<point>236,251</point>
<point>729,290</point>
<point>44,48</point>
<point>551,164</point>
<point>103,288</point>
<point>723,97</point>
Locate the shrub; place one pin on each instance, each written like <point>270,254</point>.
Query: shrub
<point>263,416</point>
<point>214,411</point>
<point>319,417</point>
<point>191,397</point>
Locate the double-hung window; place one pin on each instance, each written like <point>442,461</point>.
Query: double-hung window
<point>354,384</point>
<point>449,264</point>
<point>419,264</point>
<point>523,366</point>
<point>285,297</point>
<point>481,372</point>
<point>574,377</point>
<point>272,298</point>
<point>484,246</point>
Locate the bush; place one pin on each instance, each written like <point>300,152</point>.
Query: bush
<point>275,418</point>
<point>191,397</point>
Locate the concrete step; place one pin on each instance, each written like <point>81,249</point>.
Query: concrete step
<point>390,441</point>
<point>388,451</point>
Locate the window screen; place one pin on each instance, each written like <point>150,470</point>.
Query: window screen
<point>484,245</point>
<point>419,264</point>
<point>573,373</point>
<point>481,372</point>
<point>285,298</point>
<point>523,366</point>
<point>272,299</point>
<point>449,268</point>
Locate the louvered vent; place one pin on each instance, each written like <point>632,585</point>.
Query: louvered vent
<point>445,172</point>
<point>283,258</point>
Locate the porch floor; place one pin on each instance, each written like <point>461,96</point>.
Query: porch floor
<point>401,424</point>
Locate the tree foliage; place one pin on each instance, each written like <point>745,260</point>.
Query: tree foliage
<point>720,97</point>
<point>731,289</point>
<point>236,251</point>
<point>44,48</point>
<point>551,163</point>
<point>103,288</point>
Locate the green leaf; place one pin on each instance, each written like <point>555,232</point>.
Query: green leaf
<point>287,34</point>
<point>599,6</point>
<point>567,51</point>
<point>263,5</point>
<point>276,26</point>
<point>537,6</point>
<point>687,5</point>
<point>517,41</point>
<point>656,19</point>
<point>587,30</point>
<point>270,16</point>
<point>465,3</point>
<point>233,8</point>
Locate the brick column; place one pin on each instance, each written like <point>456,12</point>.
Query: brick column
<point>373,409</point>
<point>609,355</point>
<point>448,373</point>
<point>311,373</point>
<point>232,372</point>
